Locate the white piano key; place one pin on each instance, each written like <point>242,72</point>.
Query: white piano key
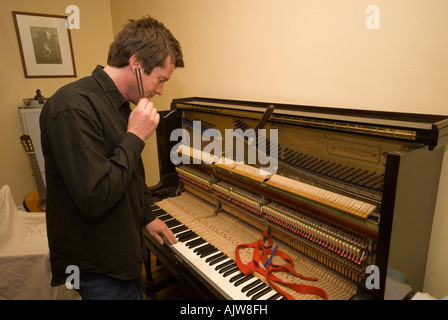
<point>208,270</point>
<point>211,274</point>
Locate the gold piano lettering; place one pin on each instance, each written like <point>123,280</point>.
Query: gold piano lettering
<point>354,150</point>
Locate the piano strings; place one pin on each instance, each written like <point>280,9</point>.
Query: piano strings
<point>339,250</point>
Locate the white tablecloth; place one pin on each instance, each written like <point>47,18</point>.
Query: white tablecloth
<point>25,271</point>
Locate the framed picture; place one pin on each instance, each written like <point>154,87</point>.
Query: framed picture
<point>45,45</point>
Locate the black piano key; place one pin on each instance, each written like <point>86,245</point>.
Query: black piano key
<point>231,266</point>
<point>208,252</point>
<point>243,280</point>
<point>201,249</point>
<point>272,294</point>
<point>189,232</point>
<point>230,271</point>
<point>179,234</point>
<point>172,223</point>
<point>158,211</point>
<point>275,296</point>
<point>165,217</point>
<point>261,293</point>
<point>223,265</point>
<point>237,277</point>
<point>187,236</point>
<point>209,259</point>
<point>195,243</point>
<point>257,289</point>
<point>251,285</point>
<point>215,261</point>
<point>179,229</point>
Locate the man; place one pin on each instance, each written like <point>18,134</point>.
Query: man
<point>97,199</point>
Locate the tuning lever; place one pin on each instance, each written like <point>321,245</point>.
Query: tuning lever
<point>267,114</point>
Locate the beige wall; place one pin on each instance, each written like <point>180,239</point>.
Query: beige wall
<point>90,45</point>
<point>316,53</point>
<point>307,52</point>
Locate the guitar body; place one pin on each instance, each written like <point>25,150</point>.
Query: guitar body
<point>35,201</point>
<point>31,203</point>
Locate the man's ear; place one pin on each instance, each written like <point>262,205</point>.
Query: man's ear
<point>134,62</point>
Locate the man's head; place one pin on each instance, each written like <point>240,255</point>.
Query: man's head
<point>147,45</point>
<point>151,43</point>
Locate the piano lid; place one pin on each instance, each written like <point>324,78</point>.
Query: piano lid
<point>427,129</point>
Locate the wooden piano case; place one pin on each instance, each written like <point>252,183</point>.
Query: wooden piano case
<point>404,151</point>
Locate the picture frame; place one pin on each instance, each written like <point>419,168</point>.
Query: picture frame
<point>45,45</point>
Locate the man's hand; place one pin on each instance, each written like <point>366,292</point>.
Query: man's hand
<point>159,230</point>
<point>144,119</point>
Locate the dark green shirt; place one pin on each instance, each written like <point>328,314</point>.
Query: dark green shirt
<point>97,198</point>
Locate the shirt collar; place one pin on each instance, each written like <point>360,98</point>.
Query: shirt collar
<point>110,89</point>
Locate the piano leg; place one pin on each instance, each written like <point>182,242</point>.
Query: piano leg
<point>151,284</point>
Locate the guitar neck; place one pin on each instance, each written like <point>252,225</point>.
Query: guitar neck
<point>40,185</point>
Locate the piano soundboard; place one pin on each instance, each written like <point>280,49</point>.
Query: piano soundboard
<point>343,191</point>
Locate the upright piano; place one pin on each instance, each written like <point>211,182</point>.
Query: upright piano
<point>348,194</point>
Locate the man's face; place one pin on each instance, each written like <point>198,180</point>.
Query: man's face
<point>153,83</point>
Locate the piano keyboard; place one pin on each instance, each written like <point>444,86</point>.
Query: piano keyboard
<point>215,266</point>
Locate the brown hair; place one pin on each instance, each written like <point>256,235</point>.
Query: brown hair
<point>149,40</point>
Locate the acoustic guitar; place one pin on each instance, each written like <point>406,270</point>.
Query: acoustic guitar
<point>35,200</point>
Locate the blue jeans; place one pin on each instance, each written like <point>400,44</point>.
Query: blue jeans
<point>94,286</point>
